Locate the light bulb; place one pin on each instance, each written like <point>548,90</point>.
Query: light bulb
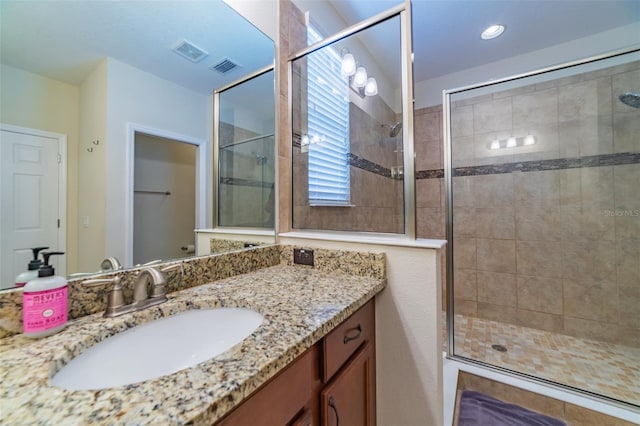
<point>495,144</point>
<point>529,140</point>
<point>371,88</point>
<point>348,67</point>
<point>360,79</point>
<point>304,140</point>
<point>511,142</point>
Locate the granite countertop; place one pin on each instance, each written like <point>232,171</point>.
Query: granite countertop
<point>300,305</point>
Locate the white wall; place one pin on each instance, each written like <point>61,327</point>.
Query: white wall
<point>429,92</point>
<point>134,96</point>
<point>408,332</point>
<point>261,13</point>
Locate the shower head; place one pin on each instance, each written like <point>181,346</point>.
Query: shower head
<point>394,129</point>
<point>631,99</point>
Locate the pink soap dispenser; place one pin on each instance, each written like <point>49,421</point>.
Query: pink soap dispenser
<point>45,301</point>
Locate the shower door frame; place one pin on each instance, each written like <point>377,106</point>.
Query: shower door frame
<point>403,12</point>
<point>216,157</point>
<point>448,182</point>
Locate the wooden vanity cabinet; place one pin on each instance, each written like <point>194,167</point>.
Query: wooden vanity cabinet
<point>349,371</point>
<point>287,399</point>
<point>331,384</point>
<point>349,399</point>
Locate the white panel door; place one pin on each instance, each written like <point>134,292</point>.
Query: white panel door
<point>29,200</point>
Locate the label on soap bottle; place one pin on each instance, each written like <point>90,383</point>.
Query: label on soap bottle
<point>43,310</point>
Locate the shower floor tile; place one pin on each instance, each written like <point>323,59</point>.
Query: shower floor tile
<point>597,367</point>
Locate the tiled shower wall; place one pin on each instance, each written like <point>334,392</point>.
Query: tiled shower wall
<point>376,197</point>
<point>545,236</point>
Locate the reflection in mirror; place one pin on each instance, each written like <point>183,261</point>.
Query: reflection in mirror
<point>80,87</point>
<point>347,139</point>
<point>246,153</point>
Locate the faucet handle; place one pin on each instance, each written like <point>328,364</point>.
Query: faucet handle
<point>115,299</point>
<point>174,267</point>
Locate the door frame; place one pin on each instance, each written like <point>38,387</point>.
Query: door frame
<point>201,177</point>
<point>62,184</point>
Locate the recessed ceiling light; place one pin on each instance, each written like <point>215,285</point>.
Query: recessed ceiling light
<point>492,32</point>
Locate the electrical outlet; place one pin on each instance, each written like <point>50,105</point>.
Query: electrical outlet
<point>303,257</point>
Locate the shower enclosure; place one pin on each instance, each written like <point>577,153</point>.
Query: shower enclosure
<point>542,175</point>
<point>245,153</point>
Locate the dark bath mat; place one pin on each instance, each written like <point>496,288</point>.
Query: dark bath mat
<point>477,409</point>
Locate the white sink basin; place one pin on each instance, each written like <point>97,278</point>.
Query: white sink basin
<point>158,348</point>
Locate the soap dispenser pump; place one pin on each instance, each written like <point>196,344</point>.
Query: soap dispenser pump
<point>45,301</point>
<point>32,272</point>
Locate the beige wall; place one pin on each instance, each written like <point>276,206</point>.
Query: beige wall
<point>92,168</point>
<point>541,248</point>
<point>30,100</point>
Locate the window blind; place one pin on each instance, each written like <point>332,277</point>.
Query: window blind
<point>328,126</point>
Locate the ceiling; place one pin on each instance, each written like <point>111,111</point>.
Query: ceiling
<point>446,33</point>
<point>73,36</point>
<point>66,39</point>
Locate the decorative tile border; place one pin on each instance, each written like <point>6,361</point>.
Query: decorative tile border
<point>369,166</point>
<point>603,160</point>
<point>356,161</point>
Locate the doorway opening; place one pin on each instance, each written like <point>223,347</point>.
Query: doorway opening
<point>166,195</point>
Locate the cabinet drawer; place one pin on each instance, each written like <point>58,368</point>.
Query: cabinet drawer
<point>345,339</point>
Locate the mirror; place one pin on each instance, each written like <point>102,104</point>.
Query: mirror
<point>347,115</point>
<point>245,149</point>
<point>91,80</point>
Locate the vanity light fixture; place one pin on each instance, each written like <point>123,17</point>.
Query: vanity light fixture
<point>492,32</point>
<point>359,81</point>
<point>512,142</point>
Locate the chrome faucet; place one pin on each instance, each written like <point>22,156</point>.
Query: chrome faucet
<point>110,264</point>
<point>141,298</point>
<point>140,288</point>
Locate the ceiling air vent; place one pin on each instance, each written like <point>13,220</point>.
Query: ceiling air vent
<point>224,66</point>
<point>189,50</point>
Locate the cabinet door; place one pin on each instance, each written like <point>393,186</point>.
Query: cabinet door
<point>349,399</point>
<point>288,398</point>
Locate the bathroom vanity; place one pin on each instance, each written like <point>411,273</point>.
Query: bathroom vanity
<point>332,382</point>
<point>311,361</point>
